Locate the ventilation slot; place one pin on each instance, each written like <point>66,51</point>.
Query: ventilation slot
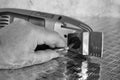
<point>4,20</point>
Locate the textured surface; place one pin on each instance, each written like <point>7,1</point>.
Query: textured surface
<point>75,8</point>
<point>110,62</point>
<point>35,72</point>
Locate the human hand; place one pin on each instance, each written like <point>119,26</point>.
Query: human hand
<point>19,40</point>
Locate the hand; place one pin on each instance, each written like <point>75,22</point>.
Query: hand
<point>19,40</point>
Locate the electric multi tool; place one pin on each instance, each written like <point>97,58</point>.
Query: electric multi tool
<point>81,40</point>
<point>78,35</point>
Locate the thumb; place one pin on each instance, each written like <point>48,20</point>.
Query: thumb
<point>42,56</point>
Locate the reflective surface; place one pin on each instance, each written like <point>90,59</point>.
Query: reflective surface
<point>110,62</point>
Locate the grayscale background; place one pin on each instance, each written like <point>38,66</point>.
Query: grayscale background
<point>101,15</point>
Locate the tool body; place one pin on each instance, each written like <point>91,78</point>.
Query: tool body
<point>75,32</point>
<point>81,40</point>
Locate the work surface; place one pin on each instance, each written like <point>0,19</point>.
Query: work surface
<point>110,62</point>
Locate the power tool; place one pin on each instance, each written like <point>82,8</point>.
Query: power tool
<point>81,40</point>
<point>76,33</point>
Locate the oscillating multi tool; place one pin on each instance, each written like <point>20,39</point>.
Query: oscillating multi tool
<point>78,35</point>
<point>81,40</point>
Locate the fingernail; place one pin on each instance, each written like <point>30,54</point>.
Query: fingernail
<point>62,51</point>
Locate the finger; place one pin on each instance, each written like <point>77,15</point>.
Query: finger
<point>53,39</point>
<point>48,37</point>
<point>45,36</point>
<point>43,56</point>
